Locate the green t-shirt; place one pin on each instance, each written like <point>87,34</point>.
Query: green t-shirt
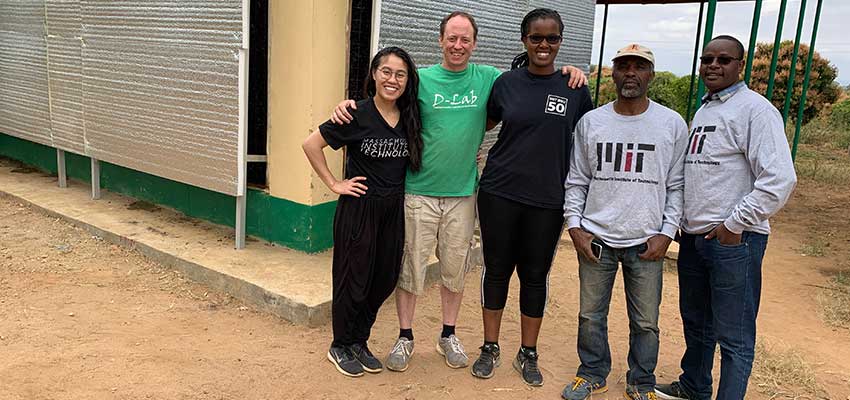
<point>453,109</point>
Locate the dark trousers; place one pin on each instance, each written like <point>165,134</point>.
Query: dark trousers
<point>368,245</point>
<point>719,293</point>
<point>516,235</point>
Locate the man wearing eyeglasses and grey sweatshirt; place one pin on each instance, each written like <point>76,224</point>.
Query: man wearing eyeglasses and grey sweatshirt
<point>738,173</point>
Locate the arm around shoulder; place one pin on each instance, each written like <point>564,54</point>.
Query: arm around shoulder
<point>341,115</point>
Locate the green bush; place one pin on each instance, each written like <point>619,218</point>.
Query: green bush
<point>671,91</point>
<point>831,128</point>
<point>839,116</point>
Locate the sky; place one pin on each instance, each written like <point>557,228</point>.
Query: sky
<point>669,30</point>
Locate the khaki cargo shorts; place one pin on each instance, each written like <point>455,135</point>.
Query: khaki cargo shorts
<point>444,223</point>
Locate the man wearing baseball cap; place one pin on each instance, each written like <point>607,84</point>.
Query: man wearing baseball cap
<point>623,205</point>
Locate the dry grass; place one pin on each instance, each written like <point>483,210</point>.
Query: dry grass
<point>816,247</point>
<point>823,165</point>
<point>834,301</point>
<point>822,132</point>
<point>781,373</point>
<point>824,152</point>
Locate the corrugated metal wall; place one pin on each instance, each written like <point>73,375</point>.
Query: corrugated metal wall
<point>150,85</point>
<point>415,26</point>
<point>65,52</point>
<point>24,98</point>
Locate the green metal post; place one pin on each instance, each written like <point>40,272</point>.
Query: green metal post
<point>792,75</point>
<point>601,50</point>
<point>709,31</point>
<point>694,65</point>
<point>806,81</point>
<point>776,42</point>
<point>754,31</point>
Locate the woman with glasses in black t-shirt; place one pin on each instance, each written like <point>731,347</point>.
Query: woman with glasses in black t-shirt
<point>521,193</point>
<point>382,141</point>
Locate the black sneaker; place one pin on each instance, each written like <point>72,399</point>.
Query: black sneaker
<point>344,361</point>
<point>362,354</point>
<point>526,364</point>
<point>673,391</point>
<point>485,365</point>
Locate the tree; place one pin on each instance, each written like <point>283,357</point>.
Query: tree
<point>823,90</point>
<point>607,90</point>
<point>671,91</point>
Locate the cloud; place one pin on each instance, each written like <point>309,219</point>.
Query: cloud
<point>677,28</point>
<point>772,6</point>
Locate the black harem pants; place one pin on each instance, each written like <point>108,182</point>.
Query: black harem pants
<point>368,245</point>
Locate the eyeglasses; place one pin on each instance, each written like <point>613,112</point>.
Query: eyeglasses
<point>387,73</point>
<point>722,60</point>
<point>551,39</point>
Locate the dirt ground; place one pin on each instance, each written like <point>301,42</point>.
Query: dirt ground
<point>84,319</point>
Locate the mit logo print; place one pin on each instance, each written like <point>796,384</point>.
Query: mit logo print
<point>613,152</point>
<point>697,139</point>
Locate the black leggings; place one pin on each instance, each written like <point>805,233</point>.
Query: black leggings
<point>368,245</point>
<point>522,236</point>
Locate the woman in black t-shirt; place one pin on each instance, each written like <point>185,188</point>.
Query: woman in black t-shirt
<point>521,193</point>
<point>382,142</point>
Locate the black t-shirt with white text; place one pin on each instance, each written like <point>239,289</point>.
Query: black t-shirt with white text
<point>530,160</point>
<point>376,150</point>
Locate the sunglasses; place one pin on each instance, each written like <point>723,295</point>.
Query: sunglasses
<point>722,60</point>
<point>551,39</point>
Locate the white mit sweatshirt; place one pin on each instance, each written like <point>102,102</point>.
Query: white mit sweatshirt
<point>738,168</point>
<point>626,175</point>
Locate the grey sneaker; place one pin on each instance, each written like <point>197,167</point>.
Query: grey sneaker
<point>581,389</point>
<point>526,364</point>
<point>344,361</point>
<point>451,348</point>
<point>399,358</point>
<point>484,367</point>
<point>361,353</point>
<point>673,391</point>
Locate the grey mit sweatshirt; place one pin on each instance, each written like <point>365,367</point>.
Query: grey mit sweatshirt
<point>626,175</point>
<point>738,168</point>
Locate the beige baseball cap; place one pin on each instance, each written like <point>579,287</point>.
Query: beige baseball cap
<point>635,50</point>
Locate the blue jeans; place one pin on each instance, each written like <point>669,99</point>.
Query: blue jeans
<point>719,293</point>
<point>643,296</point>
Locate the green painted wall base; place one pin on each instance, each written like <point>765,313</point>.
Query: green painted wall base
<point>294,225</point>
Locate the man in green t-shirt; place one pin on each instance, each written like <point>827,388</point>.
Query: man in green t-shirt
<point>440,198</point>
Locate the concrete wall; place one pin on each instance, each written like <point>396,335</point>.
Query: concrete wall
<point>308,65</point>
